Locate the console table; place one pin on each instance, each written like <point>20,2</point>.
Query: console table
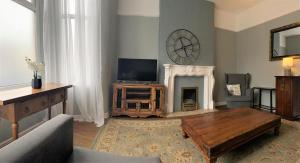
<point>260,106</point>
<point>16,104</point>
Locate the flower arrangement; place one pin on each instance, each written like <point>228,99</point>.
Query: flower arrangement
<point>35,67</point>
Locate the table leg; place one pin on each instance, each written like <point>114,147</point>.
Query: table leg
<point>271,102</point>
<point>49,113</point>
<point>253,98</point>
<point>276,130</point>
<point>259,99</point>
<point>185,135</point>
<point>64,107</point>
<point>15,128</point>
<point>211,160</point>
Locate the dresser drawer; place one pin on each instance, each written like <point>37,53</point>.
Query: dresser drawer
<point>29,107</point>
<point>57,97</point>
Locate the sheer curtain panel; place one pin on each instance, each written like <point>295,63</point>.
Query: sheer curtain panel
<point>72,53</point>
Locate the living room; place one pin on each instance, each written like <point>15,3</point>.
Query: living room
<point>149,81</point>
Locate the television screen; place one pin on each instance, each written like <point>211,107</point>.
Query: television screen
<point>137,69</point>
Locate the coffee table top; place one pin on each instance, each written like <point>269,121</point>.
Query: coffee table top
<point>216,128</point>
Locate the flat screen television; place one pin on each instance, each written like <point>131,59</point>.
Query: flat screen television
<point>137,70</point>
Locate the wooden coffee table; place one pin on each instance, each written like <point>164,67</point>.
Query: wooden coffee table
<point>219,132</point>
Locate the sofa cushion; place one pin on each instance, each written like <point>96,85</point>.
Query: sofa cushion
<point>81,155</point>
<point>48,143</point>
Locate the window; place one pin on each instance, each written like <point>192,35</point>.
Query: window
<point>17,40</point>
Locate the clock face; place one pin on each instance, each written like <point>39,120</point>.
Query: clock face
<point>183,47</point>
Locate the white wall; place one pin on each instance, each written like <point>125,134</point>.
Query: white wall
<point>262,12</point>
<point>148,8</point>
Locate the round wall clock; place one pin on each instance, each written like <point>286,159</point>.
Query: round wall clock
<point>183,47</point>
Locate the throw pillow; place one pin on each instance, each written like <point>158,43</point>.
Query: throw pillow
<point>234,89</point>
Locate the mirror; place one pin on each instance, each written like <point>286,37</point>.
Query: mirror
<point>285,41</point>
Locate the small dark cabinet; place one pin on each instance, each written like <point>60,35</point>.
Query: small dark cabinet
<point>288,96</point>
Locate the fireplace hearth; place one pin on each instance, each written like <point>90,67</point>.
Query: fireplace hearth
<point>189,98</point>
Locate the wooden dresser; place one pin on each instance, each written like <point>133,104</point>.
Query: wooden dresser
<point>288,96</point>
<point>16,104</point>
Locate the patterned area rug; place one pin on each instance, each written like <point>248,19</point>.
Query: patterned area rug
<point>164,138</point>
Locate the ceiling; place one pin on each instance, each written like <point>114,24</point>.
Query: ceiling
<point>235,6</point>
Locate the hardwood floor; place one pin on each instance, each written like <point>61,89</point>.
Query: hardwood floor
<point>84,134</point>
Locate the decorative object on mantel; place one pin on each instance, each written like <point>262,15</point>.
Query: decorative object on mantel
<point>287,64</point>
<point>183,47</point>
<point>37,69</point>
<point>171,71</point>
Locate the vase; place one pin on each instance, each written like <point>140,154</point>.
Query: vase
<point>36,83</point>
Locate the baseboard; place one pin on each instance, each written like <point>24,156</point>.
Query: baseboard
<point>106,115</point>
<point>81,119</point>
<point>221,103</point>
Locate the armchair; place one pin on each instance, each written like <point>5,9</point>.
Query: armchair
<point>238,101</point>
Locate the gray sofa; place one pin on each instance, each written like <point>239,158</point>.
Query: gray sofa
<point>52,142</point>
<point>246,92</point>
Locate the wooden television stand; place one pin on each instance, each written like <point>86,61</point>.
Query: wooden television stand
<point>138,100</point>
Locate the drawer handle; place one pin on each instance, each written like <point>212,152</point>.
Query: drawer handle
<point>26,109</point>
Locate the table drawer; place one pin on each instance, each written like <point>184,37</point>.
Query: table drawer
<point>29,107</point>
<point>57,97</point>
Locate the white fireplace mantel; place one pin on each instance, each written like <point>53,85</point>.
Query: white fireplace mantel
<point>171,71</point>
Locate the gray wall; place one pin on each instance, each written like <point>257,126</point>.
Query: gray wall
<point>225,60</point>
<point>252,50</point>
<point>109,52</point>
<point>293,44</point>
<point>138,37</point>
<point>196,16</point>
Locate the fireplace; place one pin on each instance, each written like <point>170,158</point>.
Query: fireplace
<point>189,98</point>
<point>172,71</point>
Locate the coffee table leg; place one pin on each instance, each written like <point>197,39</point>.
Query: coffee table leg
<point>276,130</point>
<point>211,160</point>
<point>185,135</point>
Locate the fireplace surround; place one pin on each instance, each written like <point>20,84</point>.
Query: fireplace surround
<point>171,71</point>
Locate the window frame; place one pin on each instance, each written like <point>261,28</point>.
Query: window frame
<point>29,5</point>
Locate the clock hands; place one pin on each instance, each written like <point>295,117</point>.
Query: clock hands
<point>183,47</point>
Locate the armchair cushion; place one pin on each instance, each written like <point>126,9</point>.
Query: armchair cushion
<point>234,89</point>
<point>238,99</point>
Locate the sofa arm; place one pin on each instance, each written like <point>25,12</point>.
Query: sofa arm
<point>48,143</point>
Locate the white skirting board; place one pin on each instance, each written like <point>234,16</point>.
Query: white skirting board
<point>80,119</point>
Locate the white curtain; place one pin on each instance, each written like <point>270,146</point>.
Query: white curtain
<point>72,53</point>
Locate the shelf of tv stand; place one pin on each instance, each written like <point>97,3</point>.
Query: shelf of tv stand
<point>139,93</point>
<point>138,100</point>
<point>141,100</point>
